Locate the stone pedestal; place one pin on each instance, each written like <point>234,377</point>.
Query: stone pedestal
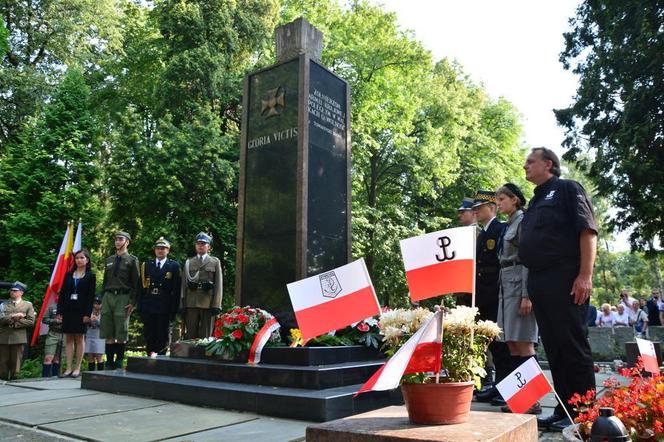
<point>391,424</point>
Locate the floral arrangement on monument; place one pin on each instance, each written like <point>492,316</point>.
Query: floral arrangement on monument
<point>639,405</point>
<point>465,341</point>
<point>365,332</point>
<point>234,332</point>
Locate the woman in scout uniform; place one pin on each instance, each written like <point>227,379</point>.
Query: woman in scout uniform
<point>515,311</point>
<point>74,307</point>
<point>15,316</point>
<point>160,300</point>
<point>201,290</point>
<point>53,343</point>
<point>95,346</point>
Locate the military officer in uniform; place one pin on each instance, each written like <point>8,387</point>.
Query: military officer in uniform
<point>15,316</point>
<point>558,246</point>
<point>201,290</point>
<point>121,289</point>
<point>487,287</point>
<point>466,217</point>
<point>158,305</point>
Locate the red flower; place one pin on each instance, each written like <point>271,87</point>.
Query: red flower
<point>363,327</point>
<point>237,334</point>
<point>243,319</point>
<point>217,333</point>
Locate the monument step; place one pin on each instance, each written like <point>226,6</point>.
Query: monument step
<point>276,375</point>
<point>293,355</point>
<point>295,403</point>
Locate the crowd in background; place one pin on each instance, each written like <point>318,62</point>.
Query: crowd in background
<point>636,312</point>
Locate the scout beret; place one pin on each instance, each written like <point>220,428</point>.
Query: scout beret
<point>517,193</point>
<point>484,197</point>
<point>466,204</point>
<point>18,285</point>
<point>162,242</point>
<point>123,234</point>
<point>203,237</point>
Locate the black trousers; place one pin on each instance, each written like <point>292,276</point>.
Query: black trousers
<point>156,329</point>
<point>487,304</point>
<point>562,327</point>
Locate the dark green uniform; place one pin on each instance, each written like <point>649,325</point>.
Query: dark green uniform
<point>201,295</point>
<point>54,336</point>
<point>121,287</point>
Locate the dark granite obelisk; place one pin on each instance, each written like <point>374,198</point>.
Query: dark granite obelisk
<point>294,190</point>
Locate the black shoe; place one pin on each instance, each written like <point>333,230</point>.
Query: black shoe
<point>486,396</point>
<point>560,425</point>
<point>498,401</point>
<point>543,423</point>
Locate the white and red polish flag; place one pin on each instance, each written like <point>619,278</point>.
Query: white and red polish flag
<point>440,263</point>
<point>333,300</point>
<point>648,355</point>
<point>70,243</point>
<point>261,339</point>
<point>524,386</point>
<point>421,353</point>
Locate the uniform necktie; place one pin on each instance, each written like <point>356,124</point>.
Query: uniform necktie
<point>158,265</point>
<point>116,267</point>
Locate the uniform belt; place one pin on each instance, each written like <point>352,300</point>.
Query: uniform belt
<point>118,292</point>
<point>509,264</point>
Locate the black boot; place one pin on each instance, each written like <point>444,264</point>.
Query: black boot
<point>120,351</point>
<point>46,370</point>
<point>92,366</point>
<point>110,354</point>
<point>100,366</point>
<point>55,369</point>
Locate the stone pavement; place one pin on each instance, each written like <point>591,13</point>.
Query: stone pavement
<point>59,410</point>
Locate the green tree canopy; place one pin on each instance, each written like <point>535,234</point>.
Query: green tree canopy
<point>617,50</point>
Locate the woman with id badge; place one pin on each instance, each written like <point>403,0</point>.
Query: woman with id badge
<point>75,306</point>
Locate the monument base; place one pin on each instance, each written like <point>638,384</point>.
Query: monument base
<point>391,424</point>
<point>311,383</point>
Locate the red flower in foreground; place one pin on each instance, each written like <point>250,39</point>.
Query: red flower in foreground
<point>363,327</point>
<point>217,333</point>
<point>237,334</point>
<point>243,319</point>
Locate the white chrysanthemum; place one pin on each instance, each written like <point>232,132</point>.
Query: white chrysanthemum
<point>487,328</point>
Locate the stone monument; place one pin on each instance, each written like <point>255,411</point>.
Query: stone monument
<point>294,189</point>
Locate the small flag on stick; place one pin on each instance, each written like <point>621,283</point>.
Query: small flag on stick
<point>421,353</point>
<point>524,386</point>
<point>333,300</point>
<point>440,263</point>
<point>648,355</point>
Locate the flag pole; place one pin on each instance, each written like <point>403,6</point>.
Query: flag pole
<point>472,302</point>
<point>562,404</point>
<point>439,337</point>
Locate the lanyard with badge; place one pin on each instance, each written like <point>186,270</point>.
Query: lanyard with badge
<point>74,296</point>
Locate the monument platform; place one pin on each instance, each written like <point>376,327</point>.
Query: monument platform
<point>391,424</point>
<point>316,383</point>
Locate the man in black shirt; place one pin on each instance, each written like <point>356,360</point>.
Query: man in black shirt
<point>653,308</point>
<point>558,246</point>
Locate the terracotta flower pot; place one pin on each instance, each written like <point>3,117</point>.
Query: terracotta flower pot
<point>438,404</point>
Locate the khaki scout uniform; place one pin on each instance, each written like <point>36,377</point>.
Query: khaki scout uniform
<point>121,287</point>
<point>13,335</point>
<point>201,295</point>
<point>53,344</point>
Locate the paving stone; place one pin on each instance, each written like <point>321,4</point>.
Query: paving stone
<point>15,433</point>
<point>32,396</point>
<point>10,389</point>
<point>49,383</point>
<point>265,429</point>
<point>148,424</point>
<point>74,408</point>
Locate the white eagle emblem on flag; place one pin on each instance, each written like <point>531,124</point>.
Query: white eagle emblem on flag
<point>329,284</point>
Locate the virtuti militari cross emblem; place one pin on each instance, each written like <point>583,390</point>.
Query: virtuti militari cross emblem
<point>273,102</point>
<point>329,284</point>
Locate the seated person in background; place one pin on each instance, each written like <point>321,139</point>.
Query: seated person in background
<point>605,317</point>
<point>621,317</point>
<point>638,319</point>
